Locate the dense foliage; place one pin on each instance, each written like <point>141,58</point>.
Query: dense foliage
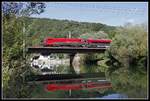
<point>128,61</point>
<point>13,56</point>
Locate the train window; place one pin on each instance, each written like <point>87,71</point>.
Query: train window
<point>83,40</point>
<point>49,39</point>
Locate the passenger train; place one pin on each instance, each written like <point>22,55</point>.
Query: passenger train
<point>75,42</point>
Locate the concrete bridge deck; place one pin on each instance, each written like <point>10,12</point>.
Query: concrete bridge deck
<point>65,50</point>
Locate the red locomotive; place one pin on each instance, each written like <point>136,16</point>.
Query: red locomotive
<point>76,42</point>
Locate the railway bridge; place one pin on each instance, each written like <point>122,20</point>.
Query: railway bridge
<point>65,50</point>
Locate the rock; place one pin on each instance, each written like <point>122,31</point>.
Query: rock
<point>76,63</point>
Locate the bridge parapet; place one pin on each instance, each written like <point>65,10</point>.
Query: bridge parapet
<point>65,50</point>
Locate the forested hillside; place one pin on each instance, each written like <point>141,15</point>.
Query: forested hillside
<point>39,28</point>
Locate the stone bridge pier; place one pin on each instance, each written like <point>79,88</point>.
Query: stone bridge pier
<point>72,55</point>
<point>74,63</point>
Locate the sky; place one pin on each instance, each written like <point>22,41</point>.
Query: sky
<point>110,13</point>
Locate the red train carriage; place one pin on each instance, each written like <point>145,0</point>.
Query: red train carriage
<point>76,42</point>
<point>98,42</point>
<point>63,42</point>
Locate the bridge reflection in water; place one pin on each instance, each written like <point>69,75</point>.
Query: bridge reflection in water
<point>67,74</point>
<point>72,51</point>
<point>64,74</point>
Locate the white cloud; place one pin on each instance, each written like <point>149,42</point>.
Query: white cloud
<point>130,21</point>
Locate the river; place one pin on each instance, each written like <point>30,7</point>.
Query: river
<point>62,66</point>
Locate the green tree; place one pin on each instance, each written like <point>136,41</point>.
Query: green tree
<point>95,35</point>
<point>128,61</point>
<point>129,45</point>
<point>13,60</point>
